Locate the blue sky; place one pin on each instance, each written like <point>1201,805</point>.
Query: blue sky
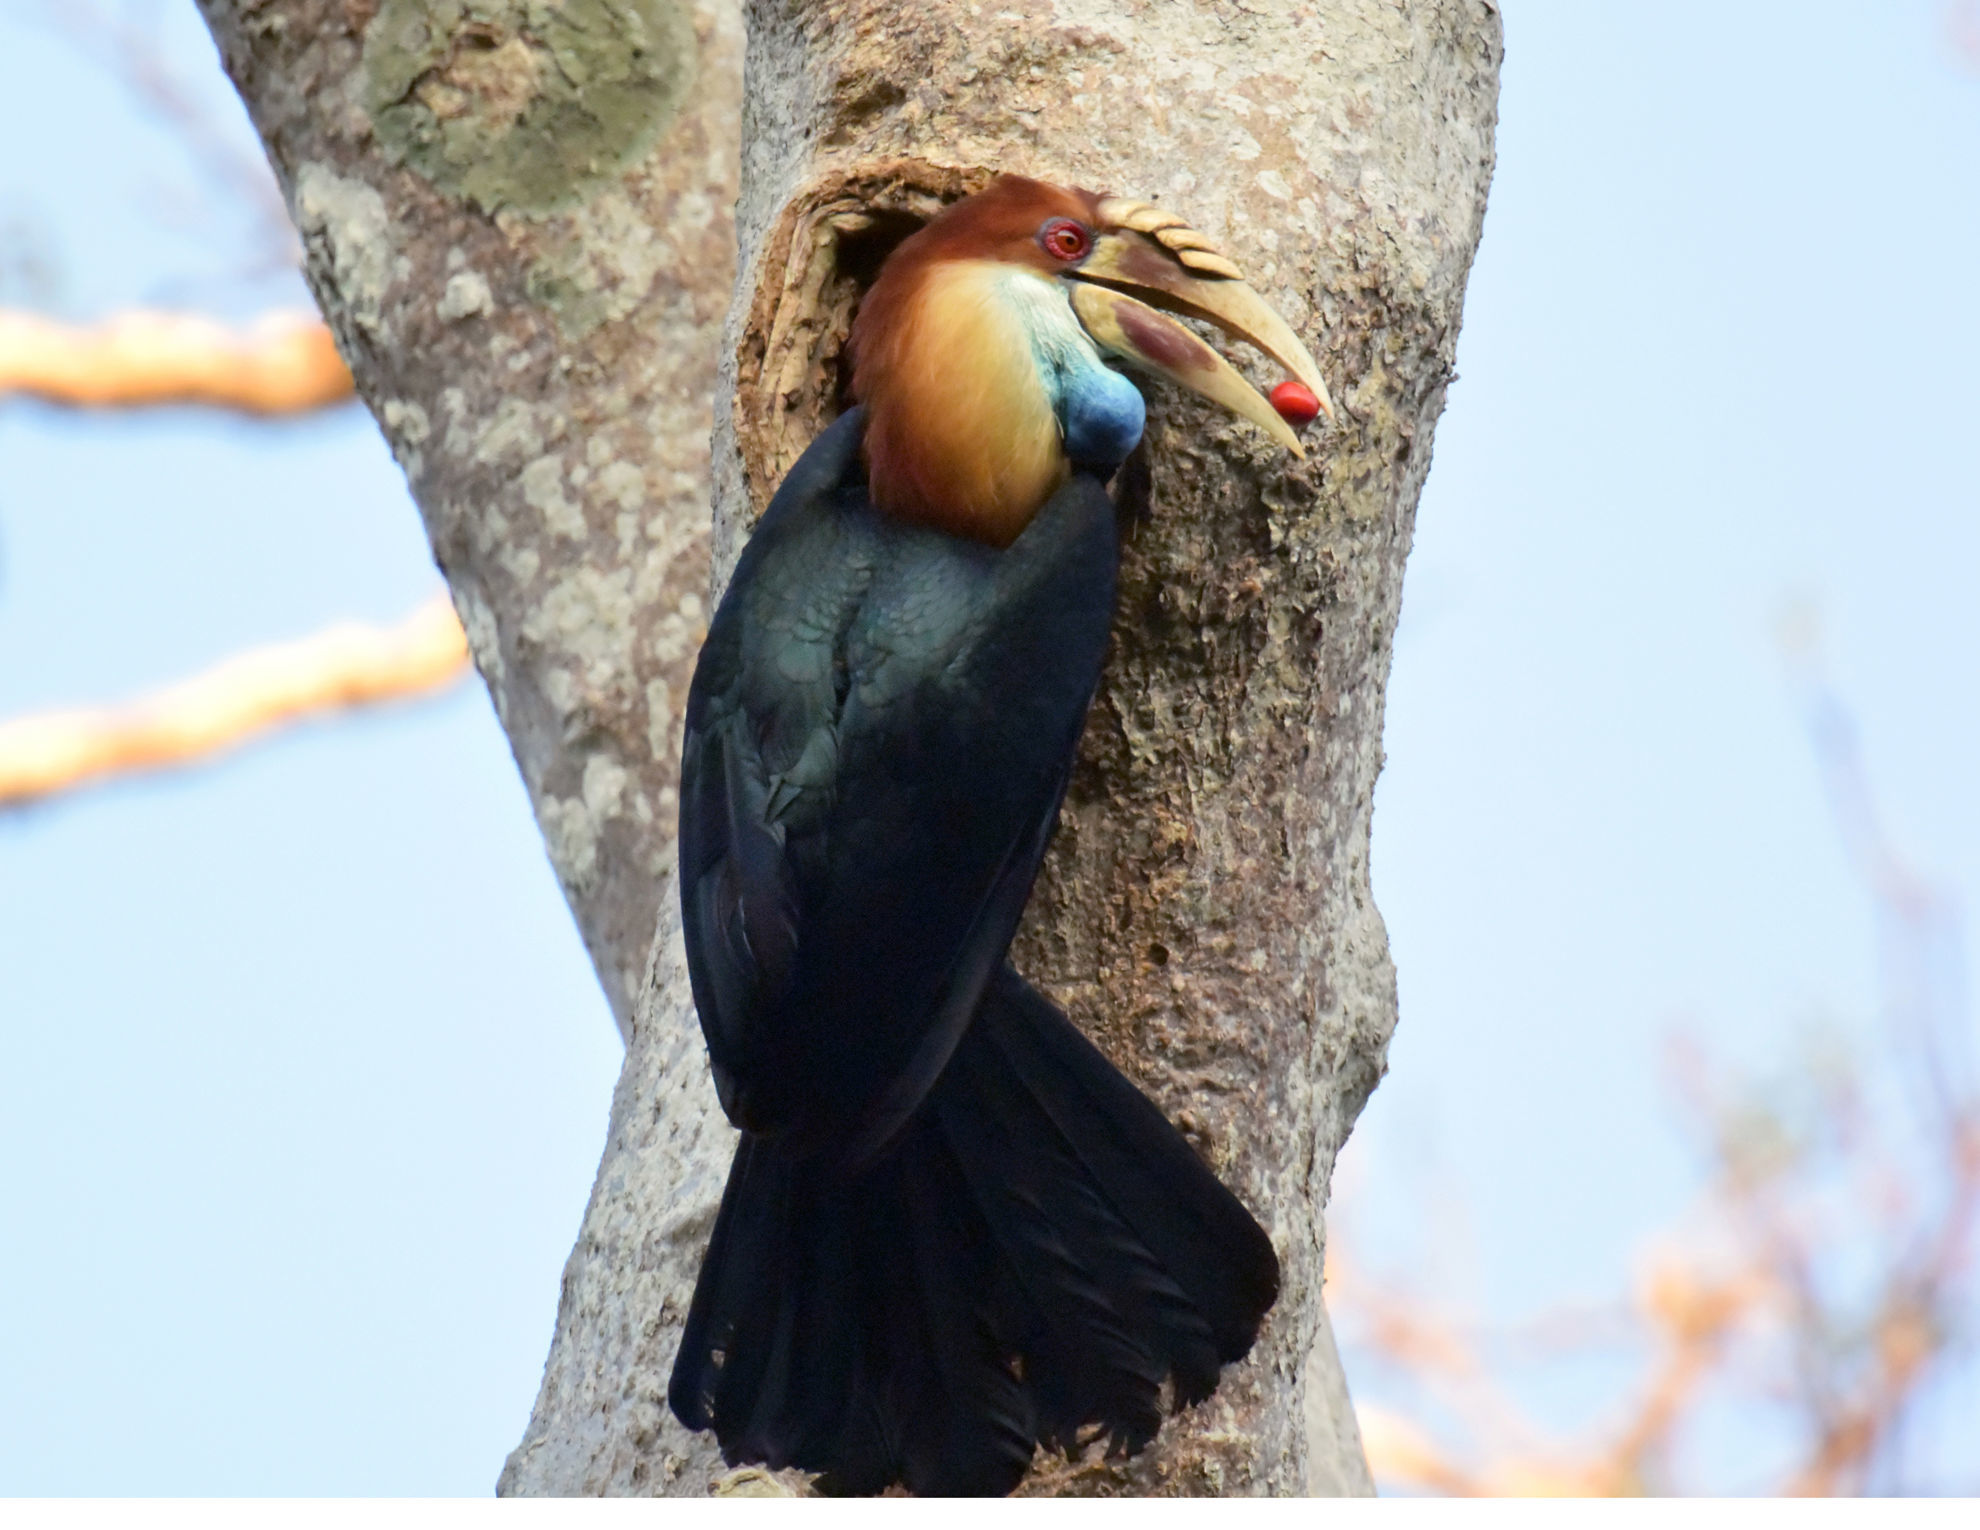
<point>305,1073</point>
<point>1718,360</point>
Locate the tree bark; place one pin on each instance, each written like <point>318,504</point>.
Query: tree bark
<point>517,217</point>
<point>1205,912</point>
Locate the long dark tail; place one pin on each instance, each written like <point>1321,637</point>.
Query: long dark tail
<point>1037,1254</point>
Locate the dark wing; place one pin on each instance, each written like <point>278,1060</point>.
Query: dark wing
<point>878,741</point>
<point>763,693</point>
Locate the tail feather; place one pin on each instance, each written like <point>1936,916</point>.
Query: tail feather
<point>827,1375</point>
<point>796,1405</point>
<point>734,1274</point>
<point>754,1361</point>
<point>974,1432</point>
<point>766,1357</point>
<point>1033,1258</point>
<point>1091,1361</point>
<point>1195,1228</point>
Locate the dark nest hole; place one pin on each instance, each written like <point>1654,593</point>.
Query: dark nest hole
<point>860,253</point>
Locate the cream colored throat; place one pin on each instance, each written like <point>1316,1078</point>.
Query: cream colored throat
<point>973,431</point>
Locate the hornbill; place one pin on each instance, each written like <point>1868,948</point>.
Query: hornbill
<point>952,1231</point>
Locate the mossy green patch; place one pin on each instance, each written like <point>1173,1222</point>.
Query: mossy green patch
<point>524,103</point>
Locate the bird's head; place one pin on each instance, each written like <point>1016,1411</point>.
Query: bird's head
<point>980,352</point>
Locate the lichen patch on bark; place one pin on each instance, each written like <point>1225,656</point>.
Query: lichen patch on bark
<point>524,104</point>
<point>599,263</point>
<point>344,221</point>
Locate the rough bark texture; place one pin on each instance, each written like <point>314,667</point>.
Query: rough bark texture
<point>515,213</point>
<point>1205,912</point>
<point>518,220</point>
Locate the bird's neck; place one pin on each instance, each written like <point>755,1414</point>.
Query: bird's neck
<point>962,428</point>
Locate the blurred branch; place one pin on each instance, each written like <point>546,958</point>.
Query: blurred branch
<point>1963,26</point>
<point>1826,1281</point>
<point>283,364</point>
<point>1399,1452</point>
<point>238,700</point>
<point>1688,1317</point>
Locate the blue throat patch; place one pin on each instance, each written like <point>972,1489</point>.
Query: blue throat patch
<point>1101,414</point>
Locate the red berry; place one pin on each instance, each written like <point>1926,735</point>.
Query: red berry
<point>1296,404</point>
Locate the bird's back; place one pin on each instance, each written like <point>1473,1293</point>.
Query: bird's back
<point>877,740</point>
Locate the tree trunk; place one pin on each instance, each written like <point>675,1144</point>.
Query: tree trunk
<point>528,276</point>
<point>527,312</point>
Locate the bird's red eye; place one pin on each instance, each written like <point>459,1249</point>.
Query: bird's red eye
<point>1063,239</point>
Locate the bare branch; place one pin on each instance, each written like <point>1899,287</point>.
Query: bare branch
<point>283,364</point>
<point>241,699</point>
